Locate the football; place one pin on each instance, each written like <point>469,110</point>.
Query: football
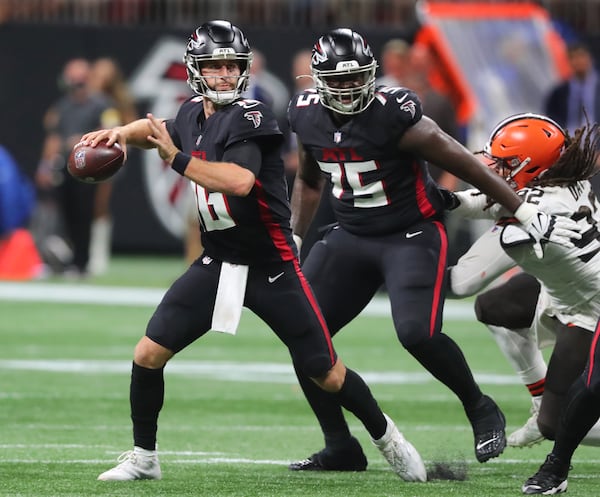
<point>95,164</point>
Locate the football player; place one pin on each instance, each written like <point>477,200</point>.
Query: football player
<point>372,145</point>
<point>580,412</point>
<point>551,170</point>
<point>230,149</point>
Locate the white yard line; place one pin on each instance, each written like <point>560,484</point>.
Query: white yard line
<point>133,296</point>
<point>254,372</point>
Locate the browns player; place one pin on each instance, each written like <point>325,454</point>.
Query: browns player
<point>372,145</point>
<point>581,410</point>
<point>230,150</point>
<point>551,170</point>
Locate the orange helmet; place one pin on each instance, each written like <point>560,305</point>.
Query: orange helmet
<point>524,146</point>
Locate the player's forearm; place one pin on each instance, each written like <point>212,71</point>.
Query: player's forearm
<point>305,202</point>
<point>224,177</point>
<point>136,133</point>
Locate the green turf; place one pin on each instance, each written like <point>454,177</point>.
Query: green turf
<point>226,428</point>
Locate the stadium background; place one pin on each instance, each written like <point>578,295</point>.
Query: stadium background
<point>37,37</point>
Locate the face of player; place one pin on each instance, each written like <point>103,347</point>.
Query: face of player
<point>346,88</point>
<point>221,75</point>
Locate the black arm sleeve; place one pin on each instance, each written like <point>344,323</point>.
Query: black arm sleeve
<point>246,154</point>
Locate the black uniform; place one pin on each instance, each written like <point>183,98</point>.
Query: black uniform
<point>390,215</point>
<point>252,230</point>
<point>391,232</point>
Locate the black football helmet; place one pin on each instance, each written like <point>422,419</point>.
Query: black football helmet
<point>342,55</point>
<point>217,40</point>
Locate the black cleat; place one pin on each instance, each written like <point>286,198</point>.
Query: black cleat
<point>489,425</point>
<point>550,479</point>
<point>350,458</point>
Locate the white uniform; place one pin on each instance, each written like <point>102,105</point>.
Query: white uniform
<point>570,277</point>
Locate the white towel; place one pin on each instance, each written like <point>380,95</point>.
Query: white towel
<point>230,298</point>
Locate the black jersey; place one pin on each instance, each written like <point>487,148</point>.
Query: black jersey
<point>241,230</point>
<point>377,189</point>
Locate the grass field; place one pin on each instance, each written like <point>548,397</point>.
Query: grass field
<point>234,415</point>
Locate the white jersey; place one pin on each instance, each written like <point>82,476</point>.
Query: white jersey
<point>570,277</point>
<point>480,266</point>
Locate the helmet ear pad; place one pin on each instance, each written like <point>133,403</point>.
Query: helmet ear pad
<point>217,40</point>
<point>526,145</point>
<point>342,55</point>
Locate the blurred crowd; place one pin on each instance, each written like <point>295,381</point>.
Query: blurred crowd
<point>400,14</point>
<point>77,242</point>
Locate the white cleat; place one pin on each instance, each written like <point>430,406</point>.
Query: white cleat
<point>136,464</point>
<point>529,434</point>
<point>400,453</point>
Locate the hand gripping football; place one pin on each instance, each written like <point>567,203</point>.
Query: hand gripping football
<point>95,164</point>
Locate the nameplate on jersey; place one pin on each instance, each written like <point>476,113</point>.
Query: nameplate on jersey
<point>230,298</point>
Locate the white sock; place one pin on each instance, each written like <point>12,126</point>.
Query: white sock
<point>144,452</point>
<point>521,349</point>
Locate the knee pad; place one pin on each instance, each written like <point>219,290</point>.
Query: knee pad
<point>412,334</point>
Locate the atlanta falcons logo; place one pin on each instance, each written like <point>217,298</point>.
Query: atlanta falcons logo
<point>255,116</point>
<point>409,107</point>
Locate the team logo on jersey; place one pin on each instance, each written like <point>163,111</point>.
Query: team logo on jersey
<point>337,136</point>
<point>410,107</point>
<point>255,117</point>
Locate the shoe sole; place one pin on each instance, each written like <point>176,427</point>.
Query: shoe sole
<point>553,491</point>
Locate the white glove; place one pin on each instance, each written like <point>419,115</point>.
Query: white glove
<point>551,228</point>
<point>471,202</point>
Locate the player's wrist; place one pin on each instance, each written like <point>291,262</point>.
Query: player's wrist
<point>180,162</point>
<point>525,213</point>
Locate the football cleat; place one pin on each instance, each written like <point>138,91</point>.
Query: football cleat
<point>137,464</point>
<point>489,425</point>
<point>529,434</point>
<point>400,454</point>
<point>550,479</point>
<point>350,458</point>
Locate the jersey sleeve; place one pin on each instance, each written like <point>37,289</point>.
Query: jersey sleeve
<point>405,108</point>
<point>171,129</point>
<point>252,119</point>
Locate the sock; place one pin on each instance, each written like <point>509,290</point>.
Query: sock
<point>443,359</point>
<point>144,452</point>
<point>536,389</point>
<point>520,348</point>
<point>593,436</point>
<point>328,412</point>
<point>146,396</point>
<point>356,396</point>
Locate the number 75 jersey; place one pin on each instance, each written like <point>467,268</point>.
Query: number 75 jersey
<point>377,189</point>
